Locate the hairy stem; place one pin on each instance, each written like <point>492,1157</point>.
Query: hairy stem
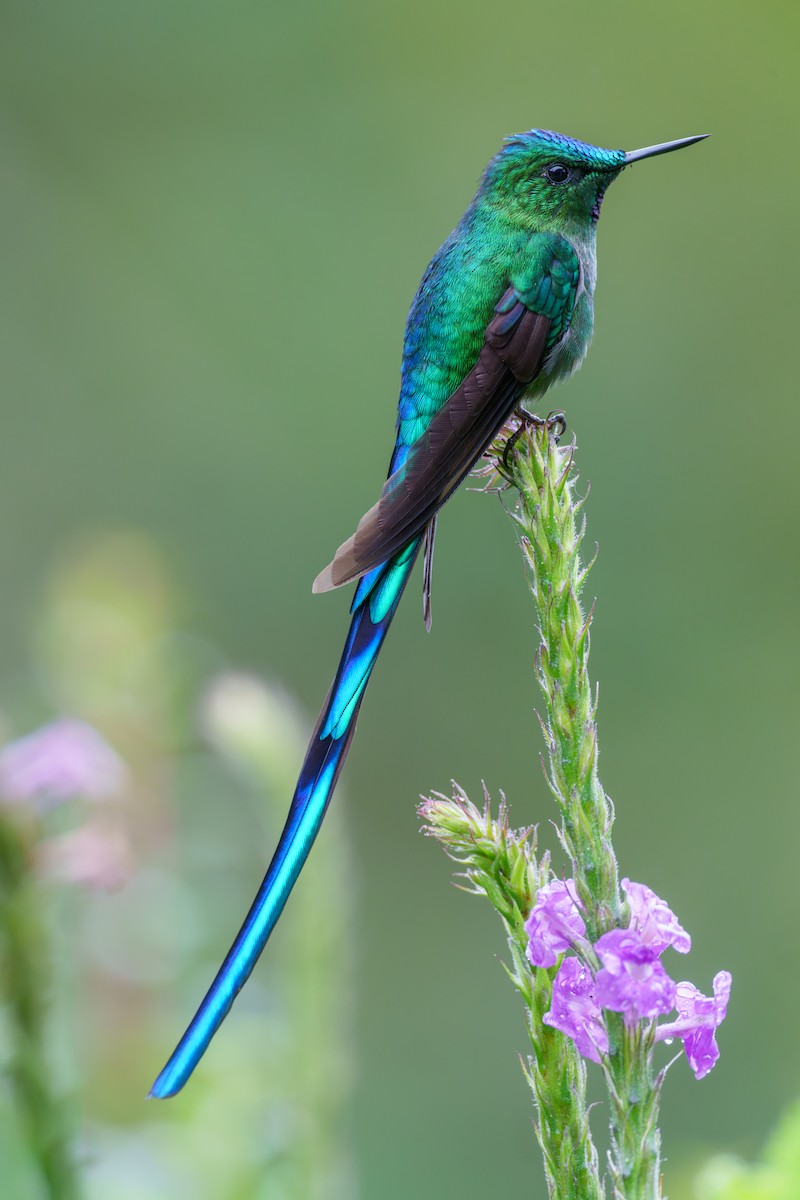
<point>551,531</point>
<point>500,864</point>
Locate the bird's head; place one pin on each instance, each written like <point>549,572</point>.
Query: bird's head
<point>545,180</point>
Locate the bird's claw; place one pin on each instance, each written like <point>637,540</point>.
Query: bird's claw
<point>555,423</point>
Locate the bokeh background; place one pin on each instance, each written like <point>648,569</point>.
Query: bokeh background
<point>213,220</point>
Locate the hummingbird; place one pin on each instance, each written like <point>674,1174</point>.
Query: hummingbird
<point>503,311</point>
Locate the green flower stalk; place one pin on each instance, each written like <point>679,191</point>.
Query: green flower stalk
<point>551,532</point>
<point>64,763</point>
<point>44,1114</point>
<point>500,863</point>
<point>552,529</point>
<point>585,959</point>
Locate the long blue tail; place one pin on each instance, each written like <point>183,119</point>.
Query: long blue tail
<point>374,606</point>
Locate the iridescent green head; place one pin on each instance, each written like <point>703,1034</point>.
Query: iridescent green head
<point>546,180</point>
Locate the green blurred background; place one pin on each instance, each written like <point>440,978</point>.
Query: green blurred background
<point>213,220</point>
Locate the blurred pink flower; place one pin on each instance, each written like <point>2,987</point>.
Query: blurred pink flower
<point>61,760</point>
<point>95,856</point>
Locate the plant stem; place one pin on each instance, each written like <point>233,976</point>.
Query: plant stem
<point>500,863</point>
<point>552,530</point>
<point>25,982</point>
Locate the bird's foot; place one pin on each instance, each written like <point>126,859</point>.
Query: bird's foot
<point>555,423</point>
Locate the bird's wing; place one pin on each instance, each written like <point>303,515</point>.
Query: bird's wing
<point>427,572</point>
<point>514,348</point>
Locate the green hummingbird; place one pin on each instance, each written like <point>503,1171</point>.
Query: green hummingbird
<point>503,311</point>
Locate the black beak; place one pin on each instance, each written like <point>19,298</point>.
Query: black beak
<point>662,148</point>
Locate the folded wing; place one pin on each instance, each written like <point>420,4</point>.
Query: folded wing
<point>512,354</point>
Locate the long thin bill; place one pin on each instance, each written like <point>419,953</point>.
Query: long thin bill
<point>663,148</point>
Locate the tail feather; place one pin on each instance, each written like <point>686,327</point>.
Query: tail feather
<point>324,760</point>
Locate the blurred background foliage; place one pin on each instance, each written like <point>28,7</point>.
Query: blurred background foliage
<point>214,218</point>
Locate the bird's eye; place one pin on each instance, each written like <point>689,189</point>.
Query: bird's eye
<point>556,173</point>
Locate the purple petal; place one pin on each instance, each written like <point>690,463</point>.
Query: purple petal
<point>698,1019</point>
<point>633,980</point>
<point>654,920</point>
<point>702,1051</point>
<point>554,924</point>
<point>692,1005</point>
<point>575,1012</point>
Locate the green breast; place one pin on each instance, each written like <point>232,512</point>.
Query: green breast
<point>453,306</point>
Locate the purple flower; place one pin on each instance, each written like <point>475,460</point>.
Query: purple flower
<point>575,1011</point>
<point>654,920</point>
<point>698,1019</point>
<point>632,980</point>
<point>64,759</point>
<point>95,856</point>
<point>554,924</point>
